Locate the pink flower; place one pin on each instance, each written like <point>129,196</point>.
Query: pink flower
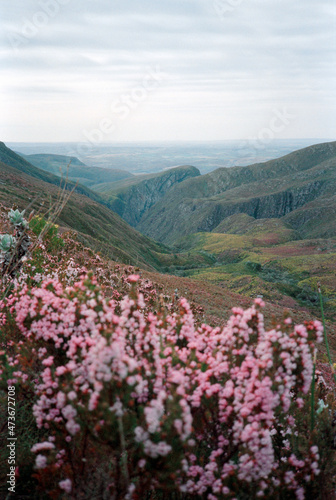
<point>65,485</point>
<point>49,361</point>
<point>46,445</point>
<point>133,278</point>
<point>197,391</point>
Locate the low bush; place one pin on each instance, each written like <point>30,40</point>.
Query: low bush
<point>122,392</point>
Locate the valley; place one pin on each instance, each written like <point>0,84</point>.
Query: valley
<point>267,229</point>
<point>231,279</point>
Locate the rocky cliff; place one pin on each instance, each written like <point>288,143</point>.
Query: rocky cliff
<point>273,189</point>
<point>132,202</point>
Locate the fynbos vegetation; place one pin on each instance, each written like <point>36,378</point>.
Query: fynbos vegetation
<point>125,393</point>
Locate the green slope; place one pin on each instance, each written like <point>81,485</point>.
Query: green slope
<point>132,198</point>
<point>266,257</point>
<point>97,225</point>
<point>267,190</point>
<point>12,159</point>
<point>77,171</point>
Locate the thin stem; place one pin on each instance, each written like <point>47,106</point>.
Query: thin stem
<point>312,399</point>
<point>83,452</point>
<point>124,452</point>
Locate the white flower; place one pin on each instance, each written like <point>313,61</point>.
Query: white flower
<point>41,462</point>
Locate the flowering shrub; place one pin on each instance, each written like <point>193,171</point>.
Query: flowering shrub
<point>123,393</point>
<point>39,225</point>
<point>128,400</point>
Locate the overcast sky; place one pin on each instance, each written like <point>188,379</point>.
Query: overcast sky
<point>132,70</point>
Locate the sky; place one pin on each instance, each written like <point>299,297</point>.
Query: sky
<point>105,71</point>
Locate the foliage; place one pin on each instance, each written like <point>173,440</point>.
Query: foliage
<point>282,273</point>
<point>39,224</point>
<point>14,248</point>
<point>7,243</point>
<point>124,393</point>
<point>125,382</point>
<point>17,219</point>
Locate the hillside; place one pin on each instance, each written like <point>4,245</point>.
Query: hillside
<point>280,247</point>
<point>12,159</point>
<point>266,190</point>
<point>92,350</point>
<point>266,257</point>
<point>268,229</point>
<point>132,198</point>
<point>77,171</point>
<point>96,224</point>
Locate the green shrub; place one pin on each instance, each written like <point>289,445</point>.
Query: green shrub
<point>39,225</point>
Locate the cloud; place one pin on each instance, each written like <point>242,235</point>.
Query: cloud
<point>227,65</point>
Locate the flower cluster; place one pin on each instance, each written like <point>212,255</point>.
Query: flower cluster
<point>164,403</point>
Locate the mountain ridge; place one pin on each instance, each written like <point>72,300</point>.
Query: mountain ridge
<point>12,159</point>
<point>271,189</point>
<point>61,165</point>
<point>95,223</point>
<point>134,198</point>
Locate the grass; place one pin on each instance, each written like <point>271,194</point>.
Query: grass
<point>251,264</point>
